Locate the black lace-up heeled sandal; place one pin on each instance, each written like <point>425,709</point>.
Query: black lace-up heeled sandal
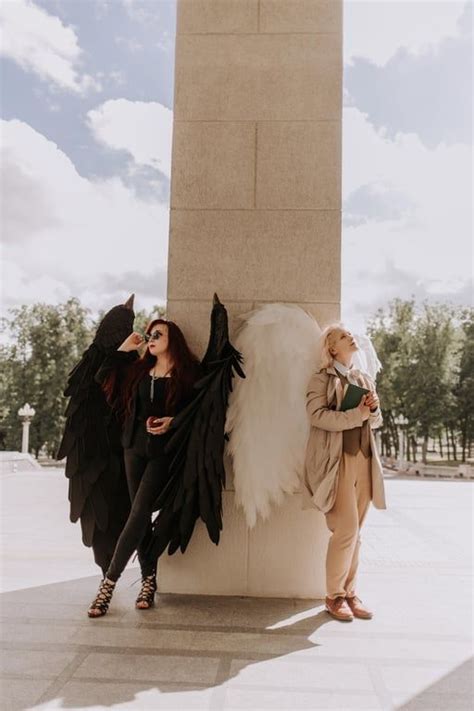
<point>146,597</point>
<point>101,602</point>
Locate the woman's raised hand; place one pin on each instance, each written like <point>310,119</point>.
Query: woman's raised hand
<point>132,342</point>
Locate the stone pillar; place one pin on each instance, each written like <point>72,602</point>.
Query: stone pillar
<point>256,217</point>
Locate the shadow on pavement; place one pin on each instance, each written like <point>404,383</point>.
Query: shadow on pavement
<point>454,691</point>
<point>185,644</point>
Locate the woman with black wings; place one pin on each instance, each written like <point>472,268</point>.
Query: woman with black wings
<point>173,410</point>
<point>146,393</point>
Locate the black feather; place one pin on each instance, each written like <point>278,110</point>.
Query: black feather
<point>196,448</point>
<point>98,491</point>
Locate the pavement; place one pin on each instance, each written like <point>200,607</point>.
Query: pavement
<point>205,652</point>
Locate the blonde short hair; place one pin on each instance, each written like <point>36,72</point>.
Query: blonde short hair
<point>328,337</point>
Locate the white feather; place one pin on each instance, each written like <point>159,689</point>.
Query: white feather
<point>366,358</point>
<point>266,417</point>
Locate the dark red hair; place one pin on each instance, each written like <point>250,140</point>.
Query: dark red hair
<point>185,370</point>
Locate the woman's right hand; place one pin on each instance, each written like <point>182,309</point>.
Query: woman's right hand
<point>365,409</point>
<point>132,342</point>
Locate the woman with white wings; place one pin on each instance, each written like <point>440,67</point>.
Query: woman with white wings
<point>343,472</point>
<point>288,432</point>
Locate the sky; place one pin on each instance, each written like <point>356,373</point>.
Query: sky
<point>86,129</point>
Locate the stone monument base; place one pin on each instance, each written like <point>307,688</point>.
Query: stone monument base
<point>281,557</point>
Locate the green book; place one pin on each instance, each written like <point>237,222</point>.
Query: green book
<point>352,396</point>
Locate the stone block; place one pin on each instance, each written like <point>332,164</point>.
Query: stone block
<point>275,255</point>
<point>207,568</point>
<point>301,16</point>
<point>264,698</point>
<point>35,664</point>
<point>19,694</point>
<point>262,562</point>
<point>213,165</point>
<point>324,313</point>
<point>136,667</point>
<point>193,317</point>
<point>216,16</point>
<point>285,552</point>
<point>299,165</point>
<point>135,696</point>
<point>258,77</point>
<point>290,673</point>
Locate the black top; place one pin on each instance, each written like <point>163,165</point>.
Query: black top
<point>147,406</point>
<point>141,406</point>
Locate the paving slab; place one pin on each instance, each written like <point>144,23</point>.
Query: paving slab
<point>211,652</point>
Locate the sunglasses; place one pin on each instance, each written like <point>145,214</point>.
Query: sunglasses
<point>153,336</point>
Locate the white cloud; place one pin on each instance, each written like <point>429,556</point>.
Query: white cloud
<point>428,92</point>
<point>143,12</point>
<point>165,42</point>
<point>84,235</point>
<point>20,288</point>
<point>376,202</point>
<point>143,129</point>
<point>376,29</point>
<point>428,250</point>
<point>118,77</point>
<point>41,43</point>
<point>130,43</point>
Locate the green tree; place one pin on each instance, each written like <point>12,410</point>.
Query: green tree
<point>392,332</point>
<point>422,379</point>
<point>463,389</point>
<point>428,378</point>
<point>45,342</point>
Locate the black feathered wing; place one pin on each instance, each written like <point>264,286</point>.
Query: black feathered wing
<point>98,492</point>
<point>196,449</point>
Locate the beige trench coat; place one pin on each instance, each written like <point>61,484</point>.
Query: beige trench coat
<point>324,449</point>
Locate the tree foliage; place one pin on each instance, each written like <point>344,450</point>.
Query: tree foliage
<point>43,343</point>
<point>428,359</point>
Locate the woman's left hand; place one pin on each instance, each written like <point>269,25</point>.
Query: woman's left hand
<point>160,425</point>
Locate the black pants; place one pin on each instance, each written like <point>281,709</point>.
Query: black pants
<point>146,478</point>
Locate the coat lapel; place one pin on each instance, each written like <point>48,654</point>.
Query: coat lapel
<point>335,388</point>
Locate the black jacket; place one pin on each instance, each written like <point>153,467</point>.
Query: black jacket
<point>118,362</point>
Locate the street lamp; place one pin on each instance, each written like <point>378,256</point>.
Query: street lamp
<point>401,421</point>
<point>26,414</point>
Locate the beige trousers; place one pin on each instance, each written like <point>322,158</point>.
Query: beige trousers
<point>344,520</point>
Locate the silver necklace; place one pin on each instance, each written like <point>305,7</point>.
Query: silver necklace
<point>153,378</point>
<point>152,386</point>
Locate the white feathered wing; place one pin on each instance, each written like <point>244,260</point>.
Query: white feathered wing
<point>266,416</point>
<point>366,358</point>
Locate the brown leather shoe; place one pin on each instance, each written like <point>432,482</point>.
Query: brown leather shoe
<point>339,609</point>
<point>358,609</point>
